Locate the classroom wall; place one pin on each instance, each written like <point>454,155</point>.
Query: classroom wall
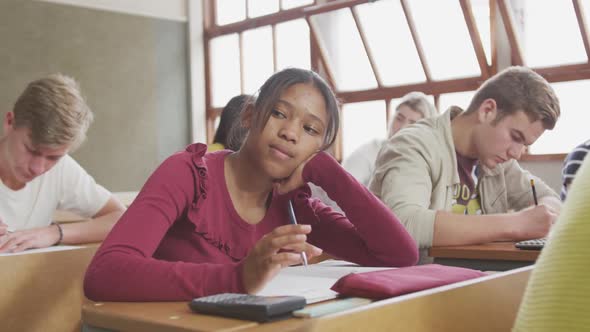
<point>132,69</point>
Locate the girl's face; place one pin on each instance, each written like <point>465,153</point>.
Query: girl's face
<point>294,131</point>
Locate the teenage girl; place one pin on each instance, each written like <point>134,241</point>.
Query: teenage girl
<point>218,222</point>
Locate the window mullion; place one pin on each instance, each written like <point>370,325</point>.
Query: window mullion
<point>416,39</point>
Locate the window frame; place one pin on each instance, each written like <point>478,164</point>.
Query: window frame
<point>499,10</point>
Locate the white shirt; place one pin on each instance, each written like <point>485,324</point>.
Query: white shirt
<point>361,162</point>
<point>66,186</point>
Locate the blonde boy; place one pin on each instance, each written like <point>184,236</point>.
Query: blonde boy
<point>49,120</point>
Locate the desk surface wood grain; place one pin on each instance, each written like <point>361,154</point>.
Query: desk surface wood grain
<point>488,251</point>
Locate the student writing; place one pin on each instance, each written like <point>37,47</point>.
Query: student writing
<point>426,173</point>
<point>413,107</point>
<point>49,120</point>
<point>218,222</point>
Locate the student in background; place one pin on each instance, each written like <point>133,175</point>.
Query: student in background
<point>49,120</point>
<point>557,296</point>
<point>218,222</point>
<point>228,135</point>
<point>413,106</point>
<point>425,173</point>
<point>572,162</point>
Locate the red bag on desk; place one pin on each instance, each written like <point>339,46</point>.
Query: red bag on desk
<point>389,283</point>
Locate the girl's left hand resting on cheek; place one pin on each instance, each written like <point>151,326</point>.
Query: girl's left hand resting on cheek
<point>293,181</point>
<point>266,259</point>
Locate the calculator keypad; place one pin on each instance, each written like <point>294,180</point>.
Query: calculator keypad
<point>531,244</point>
<point>231,298</point>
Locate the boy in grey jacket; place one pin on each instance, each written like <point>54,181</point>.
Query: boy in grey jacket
<point>427,172</point>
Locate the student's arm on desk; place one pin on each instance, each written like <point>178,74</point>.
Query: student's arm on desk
<point>92,230</point>
<point>369,234</point>
<point>529,222</point>
<point>96,228</point>
<point>458,229</point>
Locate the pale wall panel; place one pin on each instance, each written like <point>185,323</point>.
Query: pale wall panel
<point>164,9</point>
<point>133,71</point>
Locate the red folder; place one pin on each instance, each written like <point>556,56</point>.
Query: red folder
<point>389,283</point>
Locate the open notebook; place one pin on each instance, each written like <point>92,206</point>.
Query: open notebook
<point>313,281</point>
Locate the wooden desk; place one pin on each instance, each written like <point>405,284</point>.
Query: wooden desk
<point>487,304</point>
<point>43,291</point>
<point>496,256</point>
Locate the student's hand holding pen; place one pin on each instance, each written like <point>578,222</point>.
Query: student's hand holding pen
<point>276,250</point>
<point>40,237</point>
<point>534,222</point>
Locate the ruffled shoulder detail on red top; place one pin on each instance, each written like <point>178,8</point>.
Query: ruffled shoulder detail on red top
<point>211,231</point>
<point>198,151</point>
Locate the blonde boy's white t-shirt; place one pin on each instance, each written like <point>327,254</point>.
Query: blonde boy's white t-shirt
<point>66,186</point>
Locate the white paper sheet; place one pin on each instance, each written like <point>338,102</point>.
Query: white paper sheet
<point>37,251</point>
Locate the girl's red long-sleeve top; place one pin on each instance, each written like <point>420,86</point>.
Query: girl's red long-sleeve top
<point>182,238</point>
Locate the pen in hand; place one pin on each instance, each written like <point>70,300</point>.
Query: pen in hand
<point>534,192</point>
<point>294,222</point>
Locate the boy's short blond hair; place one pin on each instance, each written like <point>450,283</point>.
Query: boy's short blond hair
<point>519,89</point>
<point>54,110</point>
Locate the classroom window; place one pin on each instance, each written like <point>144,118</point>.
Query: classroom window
<point>225,69</point>
<point>445,38</point>
<point>481,13</point>
<point>389,37</point>
<point>551,34</point>
<point>292,44</point>
<point>288,4</point>
<point>230,11</point>
<point>258,58</point>
<point>341,39</point>
<point>216,122</point>
<point>371,52</point>
<point>571,128</point>
<point>461,99</point>
<point>362,122</point>
<point>258,8</point>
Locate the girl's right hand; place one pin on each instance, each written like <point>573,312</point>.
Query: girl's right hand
<point>266,259</point>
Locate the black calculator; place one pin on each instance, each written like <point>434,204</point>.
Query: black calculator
<point>248,307</point>
<point>536,244</point>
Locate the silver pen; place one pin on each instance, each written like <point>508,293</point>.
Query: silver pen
<point>294,222</point>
